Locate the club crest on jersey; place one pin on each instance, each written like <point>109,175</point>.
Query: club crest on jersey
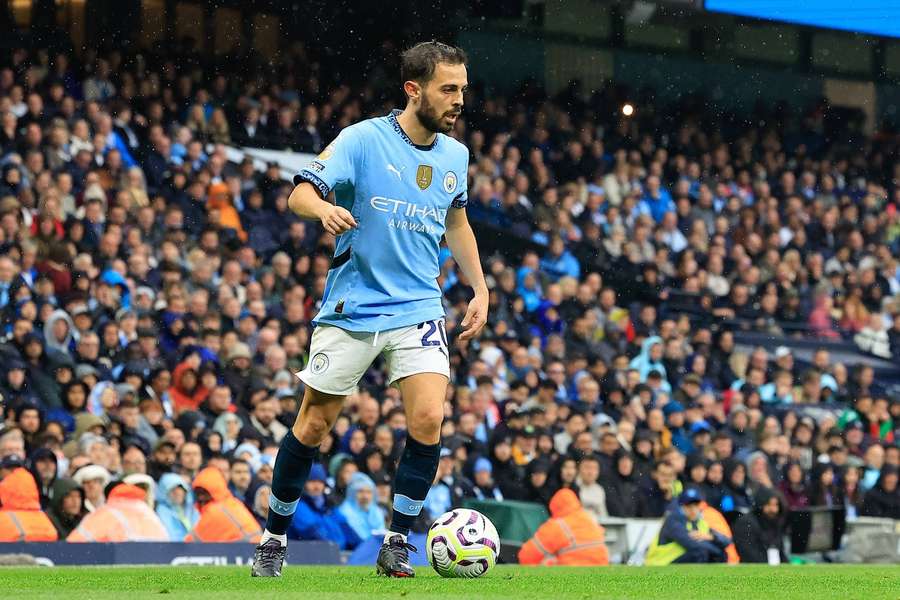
<point>450,182</point>
<point>423,177</point>
<point>319,363</point>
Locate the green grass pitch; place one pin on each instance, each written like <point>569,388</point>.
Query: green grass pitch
<point>816,582</point>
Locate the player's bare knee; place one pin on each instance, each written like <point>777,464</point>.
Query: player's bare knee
<point>312,429</point>
<point>425,424</point>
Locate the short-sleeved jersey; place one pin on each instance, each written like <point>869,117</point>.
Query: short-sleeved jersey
<point>384,272</point>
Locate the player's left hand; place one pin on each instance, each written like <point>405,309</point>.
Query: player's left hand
<point>476,317</point>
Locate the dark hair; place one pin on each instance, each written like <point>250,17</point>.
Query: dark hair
<point>418,63</point>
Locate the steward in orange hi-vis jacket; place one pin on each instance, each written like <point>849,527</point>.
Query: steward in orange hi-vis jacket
<point>21,518</point>
<point>717,522</point>
<point>124,518</point>
<point>570,537</point>
<point>223,518</point>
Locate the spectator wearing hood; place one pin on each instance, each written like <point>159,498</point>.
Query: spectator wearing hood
<point>739,429</point>
<point>360,508</point>
<point>59,332</point>
<point>571,537</point>
<point>510,477</point>
<point>756,532</point>
<point>186,392</point>
<point>713,487</point>
<point>229,426</point>
<point>125,517</point>
<point>238,373</point>
<point>175,506</point>
<point>15,386</point>
<point>220,199</point>
<point>67,507</point>
<point>21,517</point>
<point>621,487</point>
<point>883,500</point>
<point>317,519</point>
<point>29,420</point>
<point>223,518</point>
<point>737,496</point>
<point>44,469</point>
<point>675,423</point>
<point>85,422</point>
<point>649,358</point>
<point>257,500</point>
<point>538,486</point>
<point>103,400</point>
<point>42,380</point>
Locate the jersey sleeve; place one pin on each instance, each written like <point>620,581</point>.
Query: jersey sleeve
<point>336,165</point>
<point>462,198</point>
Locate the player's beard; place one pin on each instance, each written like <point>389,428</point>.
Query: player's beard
<point>430,119</point>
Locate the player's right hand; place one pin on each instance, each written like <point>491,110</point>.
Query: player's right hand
<point>337,220</point>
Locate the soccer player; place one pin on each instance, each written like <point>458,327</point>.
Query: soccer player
<point>399,185</point>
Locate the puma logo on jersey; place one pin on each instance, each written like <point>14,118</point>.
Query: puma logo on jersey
<point>394,170</point>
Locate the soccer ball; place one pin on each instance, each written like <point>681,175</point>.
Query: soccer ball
<point>462,543</point>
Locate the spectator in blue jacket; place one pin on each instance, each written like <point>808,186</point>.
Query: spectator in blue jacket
<point>559,262</point>
<point>656,201</point>
<point>175,506</point>
<point>317,519</point>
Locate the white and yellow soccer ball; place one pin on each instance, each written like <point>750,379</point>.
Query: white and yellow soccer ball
<point>462,543</point>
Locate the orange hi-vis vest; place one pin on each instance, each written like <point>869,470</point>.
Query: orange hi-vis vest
<point>570,537</point>
<point>21,518</point>
<point>224,518</point>
<point>717,522</point>
<point>125,517</point>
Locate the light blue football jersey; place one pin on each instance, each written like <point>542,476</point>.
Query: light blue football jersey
<point>384,272</point>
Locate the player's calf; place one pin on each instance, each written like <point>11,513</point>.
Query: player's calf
<point>292,467</point>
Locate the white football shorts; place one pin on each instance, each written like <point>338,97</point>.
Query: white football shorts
<point>339,358</point>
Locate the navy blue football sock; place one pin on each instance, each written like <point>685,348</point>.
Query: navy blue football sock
<point>415,474</point>
<point>292,466</point>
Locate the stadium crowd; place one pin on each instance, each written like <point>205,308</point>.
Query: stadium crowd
<point>156,300</point>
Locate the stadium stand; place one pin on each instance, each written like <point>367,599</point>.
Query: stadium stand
<point>697,300</point>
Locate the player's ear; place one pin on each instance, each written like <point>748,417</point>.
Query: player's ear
<point>413,90</point>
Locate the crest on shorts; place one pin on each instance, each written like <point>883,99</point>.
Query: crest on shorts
<point>423,176</point>
<point>450,182</point>
<point>319,363</point>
